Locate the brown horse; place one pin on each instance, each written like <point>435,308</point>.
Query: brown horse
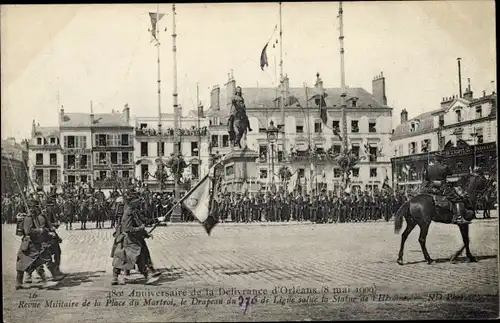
<point>238,130</point>
<point>422,209</point>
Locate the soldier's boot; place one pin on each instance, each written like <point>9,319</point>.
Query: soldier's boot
<point>116,273</point>
<point>458,209</point>
<point>19,279</point>
<point>29,278</point>
<point>151,277</point>
<point>56,275</point>
<point>45,281</point>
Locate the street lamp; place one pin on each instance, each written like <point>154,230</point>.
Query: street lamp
<point>474,137</point>
<point>272,136</point>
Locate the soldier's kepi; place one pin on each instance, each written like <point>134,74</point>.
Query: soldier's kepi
<point>238,109</point>
<point>435,178</point>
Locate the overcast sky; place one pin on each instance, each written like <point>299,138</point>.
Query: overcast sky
<point>104,54</point>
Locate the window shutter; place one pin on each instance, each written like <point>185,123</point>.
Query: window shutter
<point>96,158</point>
<point>65,142</point>
<point>77,162</point>
<point>65,161</point>
<point>96,142</point>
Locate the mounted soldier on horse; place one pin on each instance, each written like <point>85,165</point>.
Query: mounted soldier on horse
<point>440,202</point>
<point>238,122</point>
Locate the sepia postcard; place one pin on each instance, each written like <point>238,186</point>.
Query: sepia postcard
<point>231,162</point>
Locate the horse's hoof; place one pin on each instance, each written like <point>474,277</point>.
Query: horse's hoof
<point>472,259</point>
<point>400,262</point>
<point>431,262</point>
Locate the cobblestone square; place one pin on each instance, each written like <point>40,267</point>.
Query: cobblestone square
<point>292,259</point>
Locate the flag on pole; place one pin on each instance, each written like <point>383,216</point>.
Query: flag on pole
<point>263,58</point>
<point>155,17</point>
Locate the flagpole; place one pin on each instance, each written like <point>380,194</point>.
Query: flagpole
<point>160,139</point>
<point>177,211</point>
<point>282,99</point>
<point>343,90</point>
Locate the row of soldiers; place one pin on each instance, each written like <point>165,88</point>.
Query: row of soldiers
<point>321,207</point>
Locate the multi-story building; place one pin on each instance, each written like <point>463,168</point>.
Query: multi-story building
<point>368,122</point>
<point>97,147</point>
<point>193,145</point>
<point>44,156</point>
<point>464,128</point>
<point>14,166</point>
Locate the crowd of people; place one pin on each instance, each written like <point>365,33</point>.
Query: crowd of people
<point>193,131</point>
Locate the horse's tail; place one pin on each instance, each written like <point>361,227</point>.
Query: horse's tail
<point>402,212</point>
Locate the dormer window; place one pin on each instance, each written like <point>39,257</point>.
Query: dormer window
<point>39,141</point>
<point>413,127</point>
<point>441,120</point>
<point>215,121</point>
<point>459,115</point>
<point>52,140</point>
<point>413,147</point>
<point>479,112</point>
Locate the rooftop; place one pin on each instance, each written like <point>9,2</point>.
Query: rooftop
<point>46,132</point>
<point>82,120</point>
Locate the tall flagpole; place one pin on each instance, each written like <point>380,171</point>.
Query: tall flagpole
<point>282,83</point>
<point>160,135</point>
<point>343,90</point>
<point>177,211</point>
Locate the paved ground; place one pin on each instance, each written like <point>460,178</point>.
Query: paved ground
<point>298,257</point>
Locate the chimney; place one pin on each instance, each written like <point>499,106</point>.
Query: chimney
<point>33,129</point>
<point>91,114</point>
<point>404,116</point>
<point>126,113</point>
<point>459,78</point>
<point>230,88</point>
<point>468,92</point>
<point>215,98</point>
<point>201,113</point>
<point>378,89</point>
<point>61,114</point>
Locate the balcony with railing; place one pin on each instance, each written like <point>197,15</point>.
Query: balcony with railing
<point>170,132</point>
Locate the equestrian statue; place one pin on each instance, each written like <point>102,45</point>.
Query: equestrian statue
<point>439,201</point>
<point>238,122</point>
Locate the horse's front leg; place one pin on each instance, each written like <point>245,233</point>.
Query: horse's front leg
<point>464,230</point>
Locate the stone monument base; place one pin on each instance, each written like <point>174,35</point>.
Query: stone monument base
<point>240,171</point>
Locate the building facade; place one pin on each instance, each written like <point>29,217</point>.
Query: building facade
<point>193,141</point>
<point>464,128</point>
<point>44,156</point>
<point>368,125</point>
<point>14,166</point>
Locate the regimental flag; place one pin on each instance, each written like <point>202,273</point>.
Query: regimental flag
<point>155,17</point>
<point>263,58</point>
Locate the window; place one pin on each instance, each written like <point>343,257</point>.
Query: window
<point>459,115</point>
<point>425,146</point>
<point>354,126</point>
<point>479,112</point>
<point>160,149</point>
<point>336,172</point>
<point>39,159</point>
<point>225,140</point>
<point>39,176</point>
<point>442,142</point>
<point>144,171</point>
<point>301,173</point>
<point>126,158</point>
<point>280,154</point>
<point>373,172</point>
<point>263,173</point>
<point>215,141</point>
<point>229,170</point>
<point>355,150</point>
<point>195,172</point>
<point>125,174</point>
<point>125,140</point>
<point>299,129</point>
<point>336,149</point>
<point>102,175</point>
<point>53,159</point>
<point>114,158</point>
<point>441,120</point>
<point>336,124</point>
<point>102,158</point>
<point>52,140</point>
<point>355,172</point>
<point>194,148</point>
<point>317,127</point>
<point>354,103</point>
<point>143,126</point>
<point>53,176</point>
<point>70,142</point>
<point>71,179</point>
<point>281,128</point>
<point>480,137</point>
<point>262,130</point>
<point>38,141</point>
<point>144,149</point>
<point>371,126</point>
<point>413,147</point>
<point>83,161</point>
<point>71,161</point>
<point>263,153</point>
<point>101,140</point>
<point>373,154</point>
<point>83,178</point>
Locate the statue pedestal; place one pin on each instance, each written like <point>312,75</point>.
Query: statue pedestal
<point>240,171</point>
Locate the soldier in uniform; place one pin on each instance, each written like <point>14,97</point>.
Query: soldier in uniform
<point>130,248</point>
<point>85,210</point>
<point>435,181</point>
<point>69,212</point>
